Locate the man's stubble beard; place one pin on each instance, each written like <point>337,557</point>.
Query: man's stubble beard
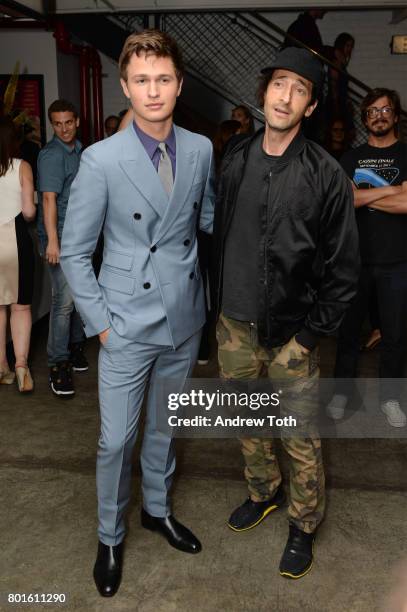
<point>282,130</point>
<point>384,131</point>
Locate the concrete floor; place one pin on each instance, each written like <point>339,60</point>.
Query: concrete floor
<point>48,516</point>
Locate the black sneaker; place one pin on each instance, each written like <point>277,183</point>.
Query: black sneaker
<point>60,379</point>
<point>251,513</point>
<point>298,554</point>
<point>77,357</point>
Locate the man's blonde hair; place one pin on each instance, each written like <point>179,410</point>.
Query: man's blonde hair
<point>152,42</point>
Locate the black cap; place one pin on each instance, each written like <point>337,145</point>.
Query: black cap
<point>300,61</point>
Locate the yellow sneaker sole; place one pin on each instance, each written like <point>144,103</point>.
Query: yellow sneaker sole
<point>295,577</point>
<point>263,516</point>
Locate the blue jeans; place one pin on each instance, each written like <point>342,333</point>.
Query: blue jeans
<point>65,325</point>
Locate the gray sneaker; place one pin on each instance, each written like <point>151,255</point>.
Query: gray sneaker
<point>395,415</point>
<point>336,407</point>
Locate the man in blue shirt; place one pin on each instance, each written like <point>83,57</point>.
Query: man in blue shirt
<point>58,163</point>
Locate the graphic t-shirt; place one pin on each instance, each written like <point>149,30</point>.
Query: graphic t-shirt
<point>383,236</point>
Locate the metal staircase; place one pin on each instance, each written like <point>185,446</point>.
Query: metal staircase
<point>228,50</point>
<point>224,51</point>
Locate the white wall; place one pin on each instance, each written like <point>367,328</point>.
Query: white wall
<point>114,99</point>
<point>35,5</point>
<point>372,61</point>
<point>36,51</point>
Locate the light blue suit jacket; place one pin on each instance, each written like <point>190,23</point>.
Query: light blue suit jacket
<point>149,288</point>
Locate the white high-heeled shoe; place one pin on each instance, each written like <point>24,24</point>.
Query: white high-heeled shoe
<point>24,379</point>
<point>7,377</point>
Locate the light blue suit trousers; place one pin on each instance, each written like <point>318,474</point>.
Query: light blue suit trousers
<point>124,369</point>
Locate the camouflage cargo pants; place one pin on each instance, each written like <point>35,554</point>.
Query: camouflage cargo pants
<point>241,357</point>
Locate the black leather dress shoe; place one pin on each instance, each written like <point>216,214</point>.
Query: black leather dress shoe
<point>176,534</point>
<point>108,569</point>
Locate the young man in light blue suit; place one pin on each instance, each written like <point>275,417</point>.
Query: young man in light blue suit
<point>149,187</point>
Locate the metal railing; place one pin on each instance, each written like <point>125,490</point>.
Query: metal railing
<point>130,22</point>
<point>223,52</point>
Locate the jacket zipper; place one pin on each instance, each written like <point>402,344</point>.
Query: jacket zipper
<point>266,267</point>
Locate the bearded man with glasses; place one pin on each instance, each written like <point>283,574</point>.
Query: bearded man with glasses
<point>378,171</point>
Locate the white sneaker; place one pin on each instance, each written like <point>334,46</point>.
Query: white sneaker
<point>395,415</point>
<point>203,361</point>
<point>336,407</point>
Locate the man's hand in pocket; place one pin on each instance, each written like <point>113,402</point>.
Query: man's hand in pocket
<point>103,336</point>
<point>292,350</point>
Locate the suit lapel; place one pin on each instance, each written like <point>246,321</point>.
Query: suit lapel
<point>140,171</point>
<point>185,172</point>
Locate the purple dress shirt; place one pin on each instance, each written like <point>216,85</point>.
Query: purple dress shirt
<point>151,146</point>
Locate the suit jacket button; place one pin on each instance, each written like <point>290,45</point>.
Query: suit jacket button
<point>137,216</point>
<point>191,276</point>
<point>153,249</point>
<point>147,285</point>
<point>187,242</point>
<point>195,205</point>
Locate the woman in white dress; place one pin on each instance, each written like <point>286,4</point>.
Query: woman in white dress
<point>16,256</point>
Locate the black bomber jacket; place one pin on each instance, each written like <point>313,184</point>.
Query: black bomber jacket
<point>308,253</point>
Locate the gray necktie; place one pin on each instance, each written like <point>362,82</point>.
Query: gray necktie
<point>165,169</point>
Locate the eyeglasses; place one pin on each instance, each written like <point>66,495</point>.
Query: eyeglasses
<point>372,112</point>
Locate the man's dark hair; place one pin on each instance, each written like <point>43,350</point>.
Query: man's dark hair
<point>263,83</point>
<point>62,106</point>
<point>375,94</point>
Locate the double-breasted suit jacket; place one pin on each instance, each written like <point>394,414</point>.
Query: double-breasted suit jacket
<point>149,287</point>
